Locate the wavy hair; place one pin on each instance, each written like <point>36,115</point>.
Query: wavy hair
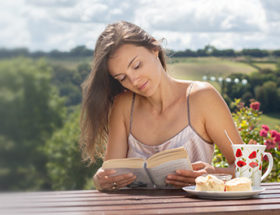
<point>100,88</point>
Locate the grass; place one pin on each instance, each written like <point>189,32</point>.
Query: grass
<point>196,68</point>
<point>271,66</point>
<point>272,120</point>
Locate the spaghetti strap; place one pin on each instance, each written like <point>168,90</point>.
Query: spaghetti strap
<point>131,112</point>
<point>188,103</point>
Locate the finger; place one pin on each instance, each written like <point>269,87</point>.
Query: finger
<point>118,178</point>
<point>118,183</point>
<point>105,172</point>
<point>190,173</point>
<point>125,179</point>
<point>177,183</point>
<point>181,178</point>
<point>198,165</point>
<point>111,179</point>
<point>127,182</point>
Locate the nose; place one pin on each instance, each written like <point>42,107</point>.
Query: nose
<point>134,78</point>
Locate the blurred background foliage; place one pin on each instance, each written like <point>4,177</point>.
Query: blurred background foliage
<point>40,97</point>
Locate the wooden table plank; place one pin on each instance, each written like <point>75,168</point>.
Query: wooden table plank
<point>136,202</point>
<point>172,209</point>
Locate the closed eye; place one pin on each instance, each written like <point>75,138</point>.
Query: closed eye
<point>137,66</point>
<point>124,77</point>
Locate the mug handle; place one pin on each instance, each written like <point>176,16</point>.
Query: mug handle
<point>270,165</point>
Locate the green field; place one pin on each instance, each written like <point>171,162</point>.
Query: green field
<point>271,66</point>
<point>195,69</point>
<point>272,120</point>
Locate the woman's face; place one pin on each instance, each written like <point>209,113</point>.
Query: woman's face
<point>136,68</point>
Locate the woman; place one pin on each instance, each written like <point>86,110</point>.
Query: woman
<point>132,104</point>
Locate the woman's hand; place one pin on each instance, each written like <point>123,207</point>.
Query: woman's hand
<point>186,177</point>
<point>104,180</point>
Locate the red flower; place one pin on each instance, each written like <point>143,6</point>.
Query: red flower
<point>253,164</point>
<point>255,105</point>
<point>253,155</point>
<point>241,163</point>
<point>265,158</point>
<point>269,144</point>
<point>273,133</point>
<point>238,153</point>
<point>265,127</point>
<point>263,133</point>
<point>277,137</point>
<point>260,167</point>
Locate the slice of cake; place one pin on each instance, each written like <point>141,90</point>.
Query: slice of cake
<point>209,183</point>
<point>239,184</point>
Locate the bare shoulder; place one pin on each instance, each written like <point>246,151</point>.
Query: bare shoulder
<point>123,99</point>
<point>204,91</point>
<point>121,105</point>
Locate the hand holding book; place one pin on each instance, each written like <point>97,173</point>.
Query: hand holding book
<point>152,172</point>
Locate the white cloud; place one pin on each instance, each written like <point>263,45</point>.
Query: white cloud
<point>64,24</point>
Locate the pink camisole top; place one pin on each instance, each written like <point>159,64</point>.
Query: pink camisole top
<point>197,148</point>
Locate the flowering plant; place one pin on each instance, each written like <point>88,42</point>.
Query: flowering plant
<point>247,121</point>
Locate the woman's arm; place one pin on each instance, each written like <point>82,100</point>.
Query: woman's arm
<point>116,145</point>
<point>118,132</point>
<point>216,118</point>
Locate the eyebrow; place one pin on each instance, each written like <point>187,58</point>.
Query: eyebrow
<point>127,66</point>
<point>131,61</point>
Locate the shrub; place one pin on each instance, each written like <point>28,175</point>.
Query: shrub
<point>247,121</point>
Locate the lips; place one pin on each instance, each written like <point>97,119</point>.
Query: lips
<point>141,87</point>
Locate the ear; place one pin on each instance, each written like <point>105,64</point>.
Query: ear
<point>155,52</point>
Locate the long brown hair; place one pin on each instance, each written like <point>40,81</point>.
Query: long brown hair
<point>100,88</point>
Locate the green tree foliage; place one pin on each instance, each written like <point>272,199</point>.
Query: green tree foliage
<point>237,89</point>
<point>255,52</point>
<point>263,85</point>
<point>30,110</point>
<point>269,96</point>
<point>68,82</point>
<point>65,167</point>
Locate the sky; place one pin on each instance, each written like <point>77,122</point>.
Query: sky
<point>183,24</point>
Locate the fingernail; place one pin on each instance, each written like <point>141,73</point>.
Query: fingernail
<point>130,174</point>
<point>178,171</point>
<point>169,177</point>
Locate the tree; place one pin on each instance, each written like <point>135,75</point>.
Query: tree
<point>30,110</point>
<point>65,167</point>
<point>268,96</point>
<point>69,81</point>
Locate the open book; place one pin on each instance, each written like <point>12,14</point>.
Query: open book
<point>151,173</point>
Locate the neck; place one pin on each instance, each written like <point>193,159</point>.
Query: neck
<point>165,95</point>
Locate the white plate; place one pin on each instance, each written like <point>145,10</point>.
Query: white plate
<point>223,195</point>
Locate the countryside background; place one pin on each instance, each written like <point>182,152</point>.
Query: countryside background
<point>40,105</point>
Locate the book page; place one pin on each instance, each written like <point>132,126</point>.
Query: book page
<point>142,179</point>
<point>160,172</point>
<point>123,163</point>
<point>166,156</point>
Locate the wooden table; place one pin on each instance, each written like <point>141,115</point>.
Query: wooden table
<point>136,202</point>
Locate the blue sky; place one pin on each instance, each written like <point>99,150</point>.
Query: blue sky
<point>63,24</point>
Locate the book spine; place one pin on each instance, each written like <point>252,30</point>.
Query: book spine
<point>149,175</point>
